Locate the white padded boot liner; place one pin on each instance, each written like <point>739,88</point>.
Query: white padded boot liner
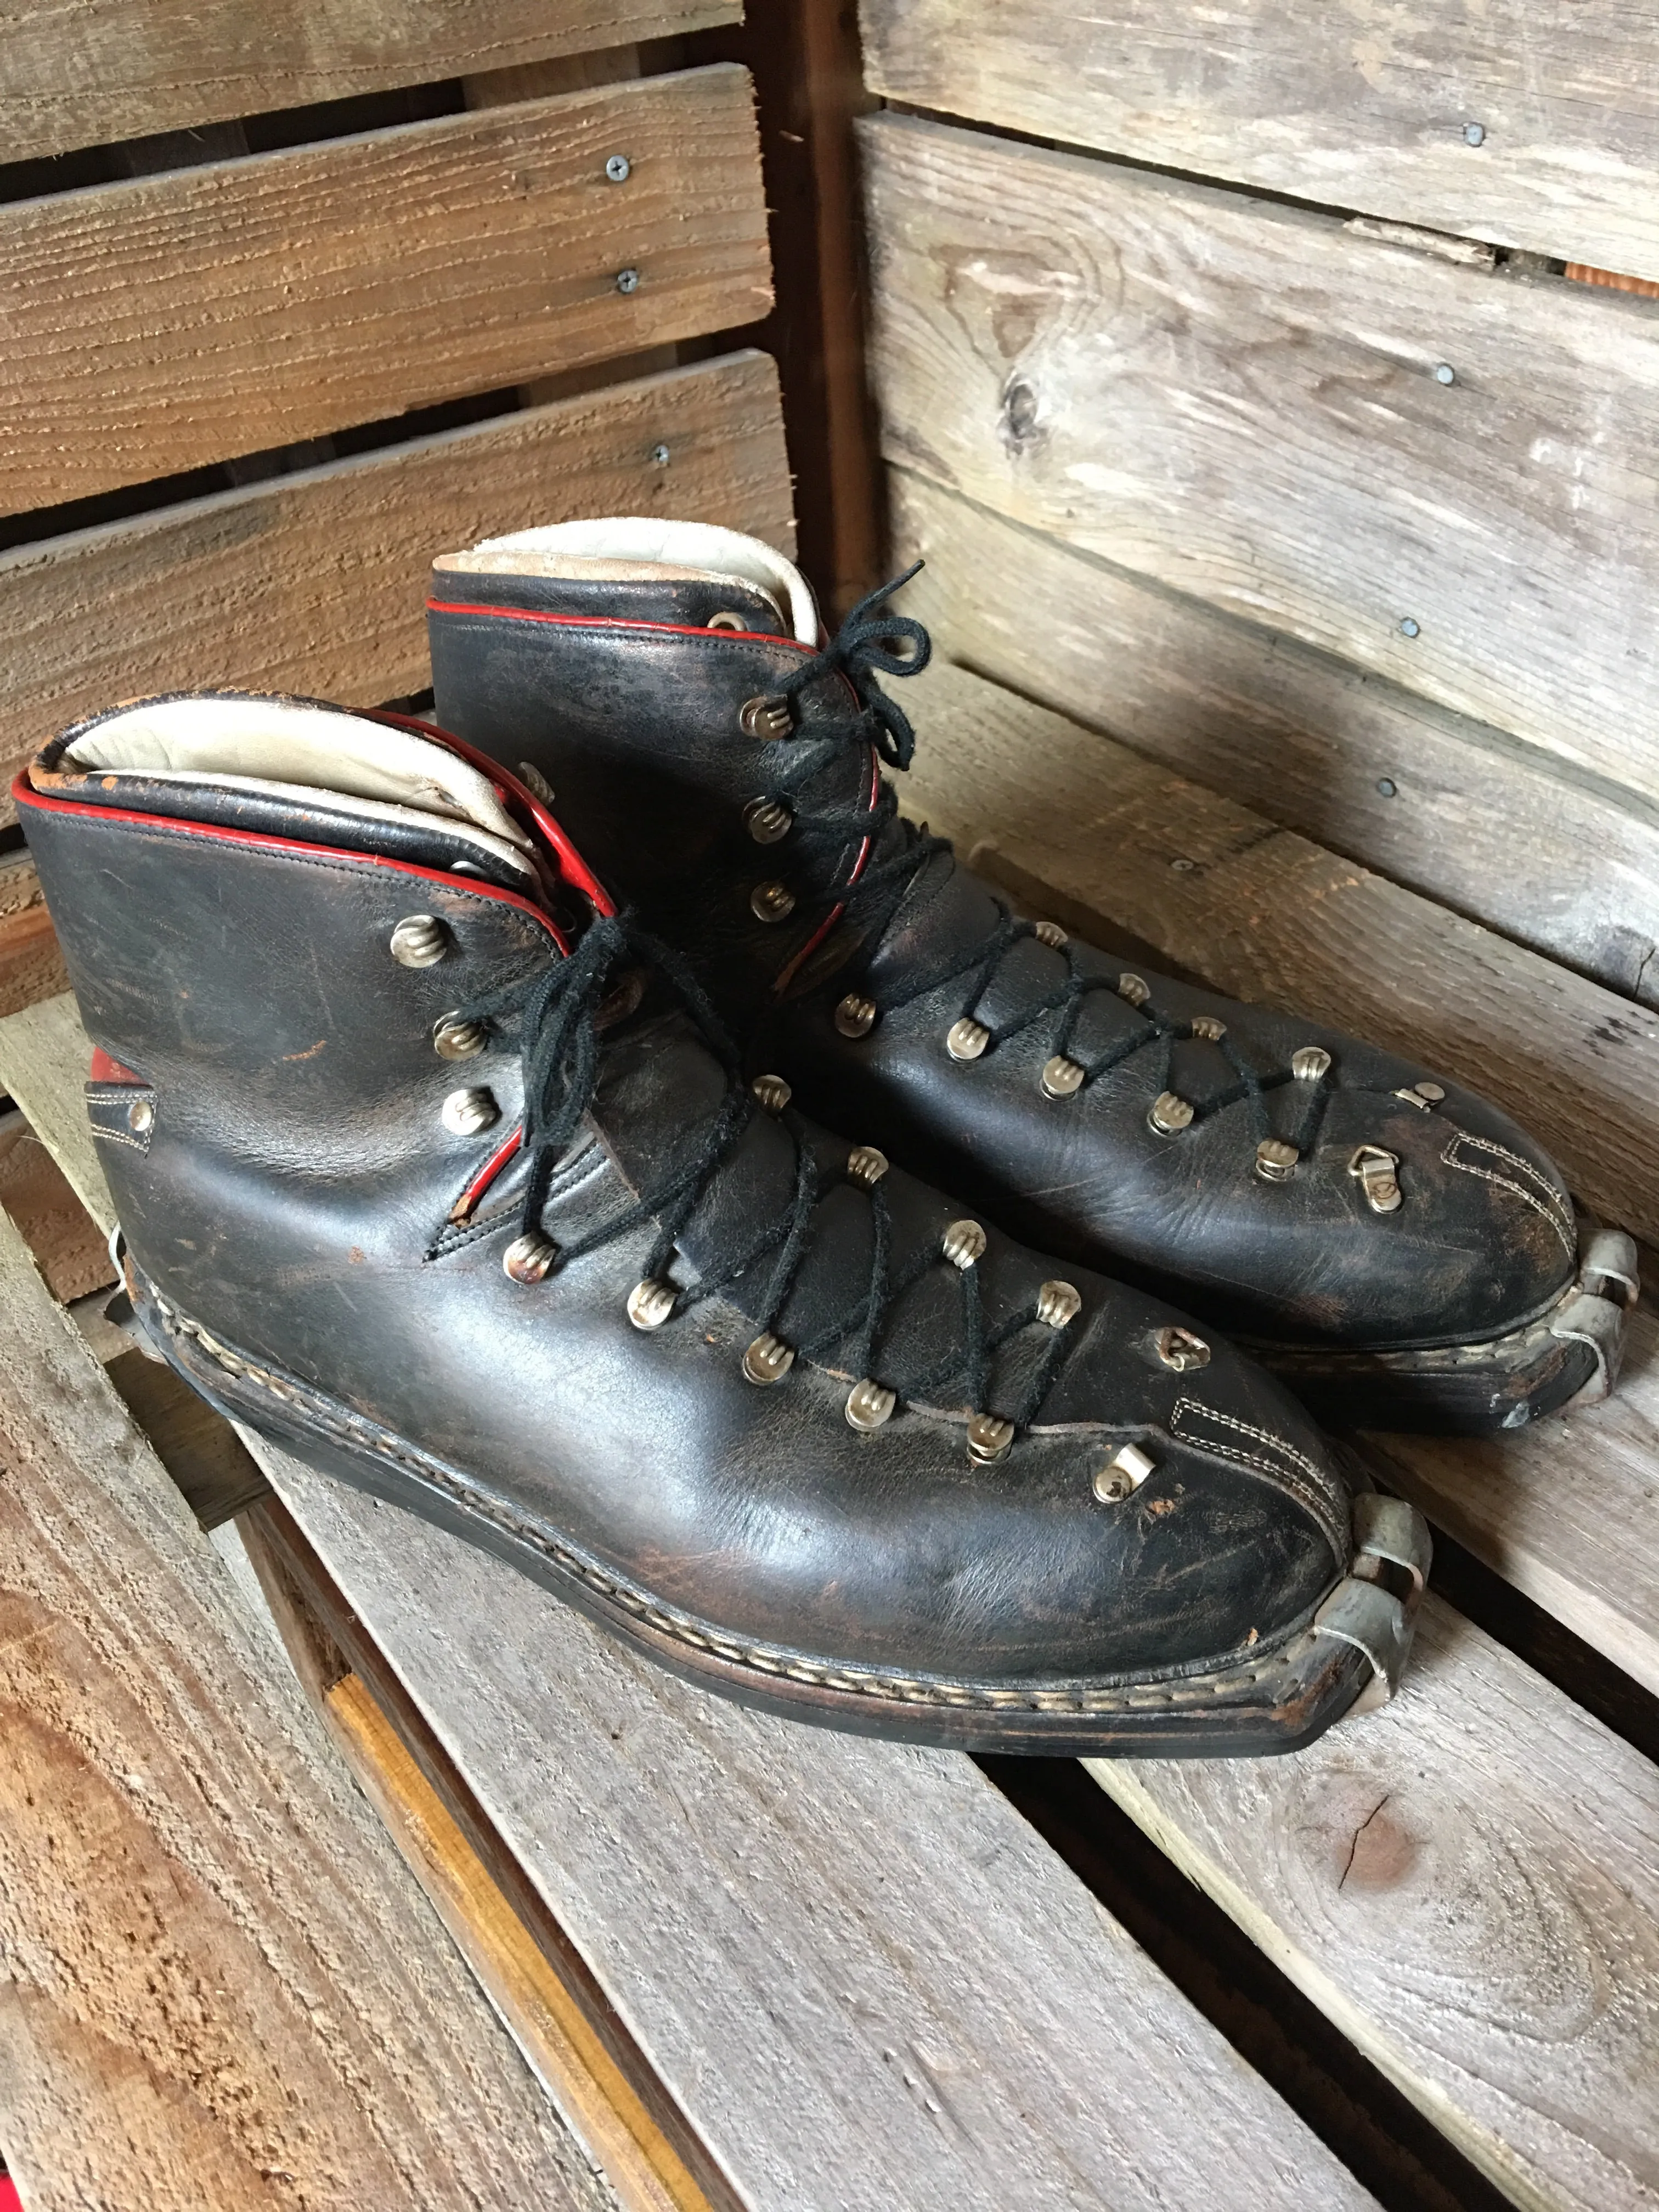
<point>289,750</point>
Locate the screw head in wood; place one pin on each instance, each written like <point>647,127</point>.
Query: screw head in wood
<point>773,1092</point>
<point>768,1359</point>
<point>1308,1062</point>
<point>771,901</point>
<point>1180,1349</point>
<point>659,457</point>
<point>855,1017</point>
<point>465,1113</point>
<point>1169,1115</point>
<point>528,1258</point>
<point>627,280</point>
<point>1134,989</point>
<point>650,1303</point>
<point>868,1405</point>
<point>765,717</point>
<point>966,1039</point>
<point>618,168</point>
<point>1275,1160</point>
<point>420,941</point>
<point>1059,1304</point>
<point>1060,1078</point>
<point>455,1039</point>
<point>989,1439</point>
<point>768,821</point>
<point>963,1243</point>
<point>1123,1475</point>
<point>865,1166</point>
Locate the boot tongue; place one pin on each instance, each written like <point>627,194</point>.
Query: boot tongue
<point>641,569</point>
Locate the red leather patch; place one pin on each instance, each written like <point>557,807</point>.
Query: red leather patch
<point>106,1070</point>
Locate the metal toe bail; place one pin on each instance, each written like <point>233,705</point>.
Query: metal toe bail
<point>1363,1610</point>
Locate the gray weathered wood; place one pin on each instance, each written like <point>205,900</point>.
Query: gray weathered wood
<point>1467,1884</point>
<point>1498,830</point>
<point>866,1980</point>
<point>78,72</point>
<point>191,317</point>
<point>218,1984</point>
<point>1567,1511</point>
<point>251,589</point>
<point>1240,401</point>
<point>1073,820</point>
<point>44,1055</point>
<point>1361,104</point>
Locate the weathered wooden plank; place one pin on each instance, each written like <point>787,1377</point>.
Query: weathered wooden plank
<point>1466,1885</point>
<point>217,1975</point>
<point>69,1248</point>
<point>150,327</point>
<point>1555,859</point>
<point>1567,1512</point>
<point>44,1055</point>
<point>31,965</point>
<point>79,72</point>
<point>853,1964</point>
<point>1073,819</point>
<point>1361,105</point>
<point>250,588</point>
<point>1241,401</point>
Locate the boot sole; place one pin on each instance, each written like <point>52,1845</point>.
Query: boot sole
<point>1347,1654</point>
<point>1569,1355</point>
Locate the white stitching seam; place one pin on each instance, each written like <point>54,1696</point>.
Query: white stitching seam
<point>1313,1493</point>
<point>1551,1213</point>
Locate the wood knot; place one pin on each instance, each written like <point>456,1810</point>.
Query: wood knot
<point>1021,428</point>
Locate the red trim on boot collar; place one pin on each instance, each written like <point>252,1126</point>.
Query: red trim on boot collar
<point>616,622</point>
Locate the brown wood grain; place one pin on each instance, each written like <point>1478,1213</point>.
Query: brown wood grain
<point>1239,401</point>
<point>77,72</point>
<point>150,327</point>
<point>1499,831</point>
<point>1080,824</point>
<point>1362,104</point>
<point>317,582</point>
<point>31,965</point>
<point>219,1987</point>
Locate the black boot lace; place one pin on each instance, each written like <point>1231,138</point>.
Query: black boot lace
<point>558,1012</point>
<point>872,640</point>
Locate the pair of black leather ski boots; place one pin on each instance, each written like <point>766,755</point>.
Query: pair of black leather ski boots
<point>499,1201</point>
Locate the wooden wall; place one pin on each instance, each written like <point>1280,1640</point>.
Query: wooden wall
<point>1321,480</point>
<point>288,305</point>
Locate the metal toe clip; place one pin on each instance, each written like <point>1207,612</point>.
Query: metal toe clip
<point>1375,1606</point>
<point>1608,1287</point>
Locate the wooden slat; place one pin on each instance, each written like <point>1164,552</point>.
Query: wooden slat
<point>1497,830</point>
<point>44,1055</point>
<point>31,966</point>
<point>146,328</point>
<point>1266,915</point>
<point>317,582</point>
<point>220,1986</point>
<point>1466,1885</point>
<point>78,72</point>
<point>1240,401</point>
<point>70,1249</point>
<point>860,1973</point>
<point>1357,106</point>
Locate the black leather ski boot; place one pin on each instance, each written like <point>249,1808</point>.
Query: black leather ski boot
<point>436,1168</point>
<point>1388,1244</point>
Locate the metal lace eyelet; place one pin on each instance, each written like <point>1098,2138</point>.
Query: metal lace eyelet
<point>1180,1349</point>
<point>465,1113</point>
<point>768,1359</point>
<point>768,821</point>
<point>773,1092</point>
<point>420,941</point>
<point>964,1243</point>
<point>1123,1475</point>
<point>865,1166</point>
<point>1169,1115</point>
<point>1378,1175</point>
<point>869,1405</point>
<point>771,901</point>
<point>528,1258</point>
<point>966,1039</point>
<point>855,1017</point>
<point>765,717</point>
<point>1133,988</point>
<point>989,1438</point>
<point>1308,1062</point>
<point>455,1039</point>
<point>1059,1304</point>
<point>1051,934</point>
<point>726,620</point>
<point>1275,1159</point>
<point>1062,1078</point>
<point>1208,1027</point>
<point>650,1303</point>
